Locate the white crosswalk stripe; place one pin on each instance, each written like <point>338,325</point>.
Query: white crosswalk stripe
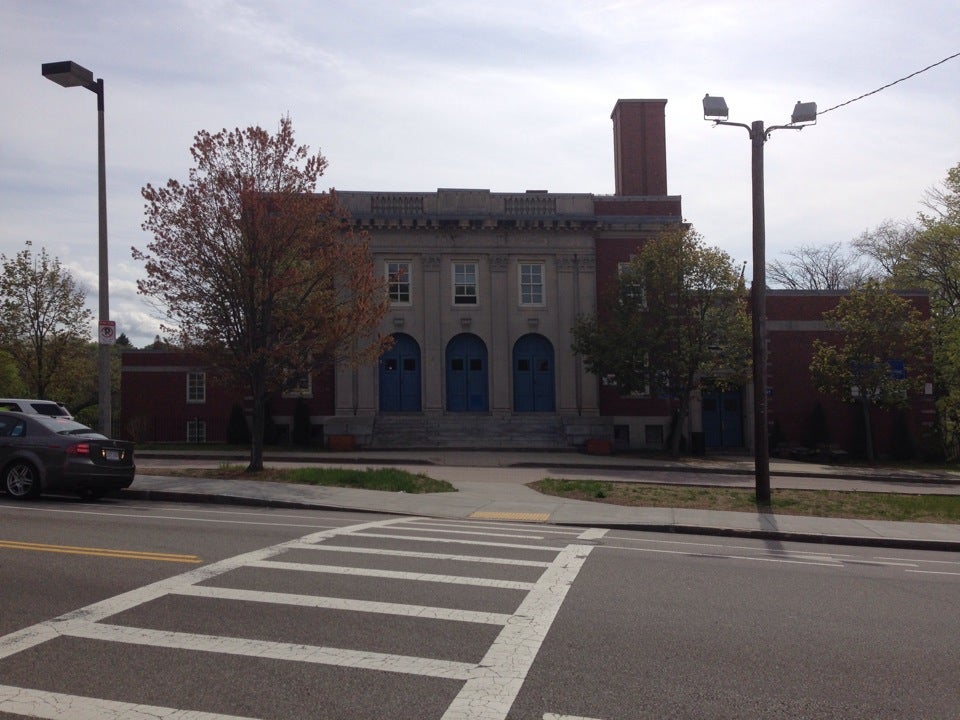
<point>353,605</point>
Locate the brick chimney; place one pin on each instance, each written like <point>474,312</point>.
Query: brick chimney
<point>640,147</point>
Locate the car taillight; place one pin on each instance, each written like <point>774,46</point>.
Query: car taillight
<point>79,449</point>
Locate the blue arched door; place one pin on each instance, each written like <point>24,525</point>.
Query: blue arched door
<point>466,362</point>
<point>533,375</point>
<point>400,376</point>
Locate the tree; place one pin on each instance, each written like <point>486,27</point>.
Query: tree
<point>943,201</point>
<point>887,246</point>
<point>44,325</point>
<point>926,255</point>
<point>11,384</point>
<point>676,320</point>
<point>880,356</point>
<point>259,276</point>
<point>819,267</point>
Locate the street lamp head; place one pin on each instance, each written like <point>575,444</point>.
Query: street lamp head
<point>68,74</point>
<point>715,108</point>
<point>804,113</point>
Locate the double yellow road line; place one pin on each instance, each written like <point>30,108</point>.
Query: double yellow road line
<point>100,552</point>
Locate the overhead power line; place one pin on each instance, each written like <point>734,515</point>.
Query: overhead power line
<point>874,92</point>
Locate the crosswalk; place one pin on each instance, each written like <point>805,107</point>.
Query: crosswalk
<point>509,578</point>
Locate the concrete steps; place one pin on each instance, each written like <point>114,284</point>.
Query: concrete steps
<point>519,432</point>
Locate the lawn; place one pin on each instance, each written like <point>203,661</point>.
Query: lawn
<point>817,503</point>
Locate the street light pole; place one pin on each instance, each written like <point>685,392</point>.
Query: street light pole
<point>758,301</point>
<point>715,110</point>
<point>69,74</point>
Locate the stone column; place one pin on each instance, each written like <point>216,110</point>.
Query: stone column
<point>431,299</point>
<point>500,351</point>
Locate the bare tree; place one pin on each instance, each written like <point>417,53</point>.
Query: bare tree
<point>820,267</point>
<point>943,200</point>
<point>887,245</point>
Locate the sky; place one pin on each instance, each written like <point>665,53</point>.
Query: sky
<point>507,96</point>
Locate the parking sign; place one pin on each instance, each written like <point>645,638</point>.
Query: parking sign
<point>108,332</point>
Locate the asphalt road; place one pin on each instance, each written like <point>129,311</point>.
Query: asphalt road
<point>133,610</point>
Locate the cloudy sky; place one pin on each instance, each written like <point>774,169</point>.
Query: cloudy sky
<point>507,96</point>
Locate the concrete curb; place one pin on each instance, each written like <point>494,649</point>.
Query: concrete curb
<point>779,535</point>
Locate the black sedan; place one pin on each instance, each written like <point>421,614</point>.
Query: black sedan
<point>44,454</point>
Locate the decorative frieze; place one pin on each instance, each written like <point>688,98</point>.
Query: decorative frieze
<point>396,204</point>
<point>529,205</point>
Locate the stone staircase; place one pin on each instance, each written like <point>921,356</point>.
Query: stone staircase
<point>520,432</point>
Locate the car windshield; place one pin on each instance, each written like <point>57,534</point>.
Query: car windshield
<point>62,426</point>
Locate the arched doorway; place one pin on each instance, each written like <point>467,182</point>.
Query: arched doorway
<point>466,363</point>
<point>533,374</point>
<point>400,376</point>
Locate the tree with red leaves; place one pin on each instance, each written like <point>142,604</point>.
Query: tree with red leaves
<point>256,273</point>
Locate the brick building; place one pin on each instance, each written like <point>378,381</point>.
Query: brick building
<point>484,290</point>
<point>802,419</point>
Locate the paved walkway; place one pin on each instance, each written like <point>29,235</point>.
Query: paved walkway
<point>492,485</point>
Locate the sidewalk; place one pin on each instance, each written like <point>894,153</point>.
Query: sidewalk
<point>492,485</point>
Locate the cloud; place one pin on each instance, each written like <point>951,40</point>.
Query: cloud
<point>503,95</point>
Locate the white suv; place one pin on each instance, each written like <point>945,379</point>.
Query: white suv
<point>50,408</point>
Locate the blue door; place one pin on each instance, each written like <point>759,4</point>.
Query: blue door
<point>400,376</point>
<point>533,375</point>
<point>723,419</point>
<point>466,360</point>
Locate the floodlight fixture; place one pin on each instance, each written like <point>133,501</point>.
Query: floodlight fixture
<point>715,108</point>
<point>804,113</point>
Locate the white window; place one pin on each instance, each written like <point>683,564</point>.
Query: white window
<point>399,282</point>
<point>634,290</point>
<point>531,283</point>
<point>298,386</point>
<point>196,431</point>
<point>611,382</point>
<point>196,387</point>
<point>465,283</point>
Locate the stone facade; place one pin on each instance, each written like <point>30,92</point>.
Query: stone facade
<point>498,238</point>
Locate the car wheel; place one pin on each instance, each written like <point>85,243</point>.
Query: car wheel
<point>21,480</point>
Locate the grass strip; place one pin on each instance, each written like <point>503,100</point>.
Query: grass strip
<point>383,479</point>
<point>816,503</point>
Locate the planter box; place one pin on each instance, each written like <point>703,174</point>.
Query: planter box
<point>342,443</point>
<point>595,446</point>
